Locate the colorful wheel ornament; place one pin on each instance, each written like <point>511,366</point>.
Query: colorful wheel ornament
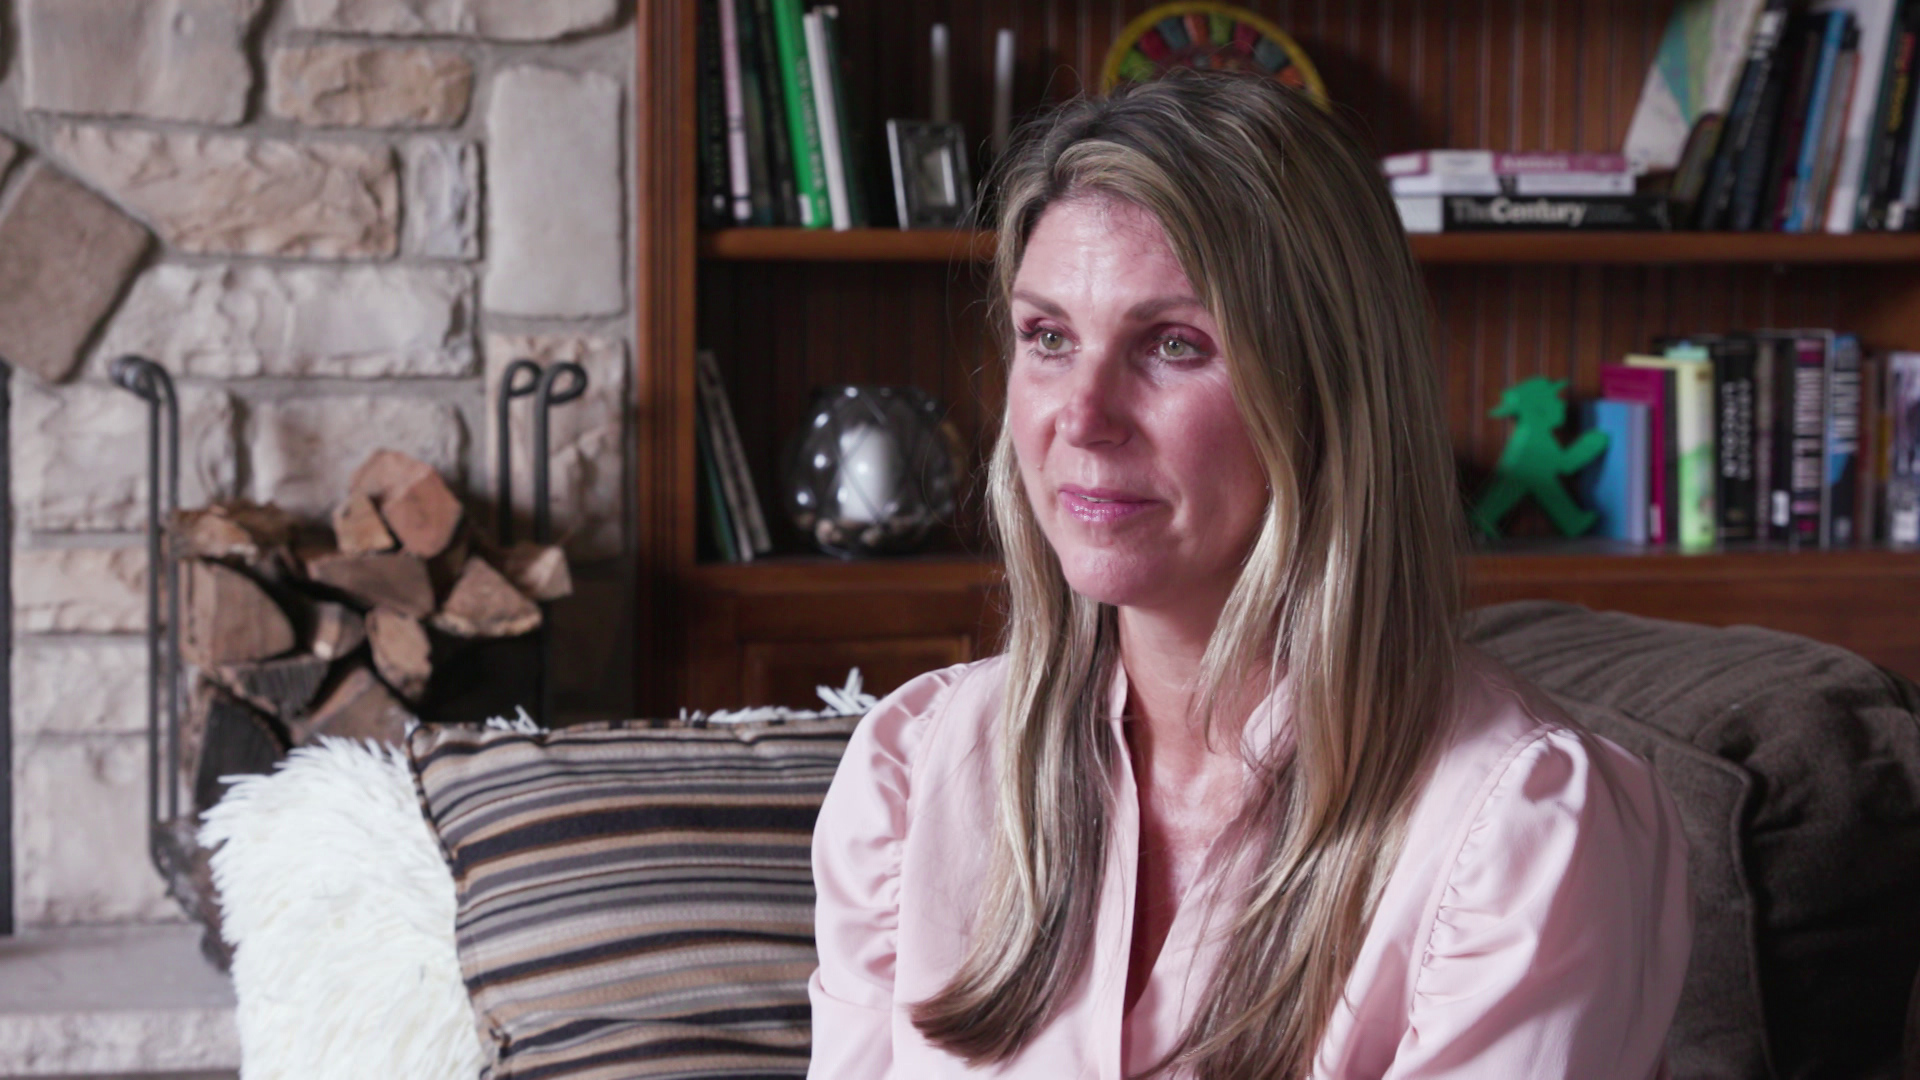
<point>1210,36</point>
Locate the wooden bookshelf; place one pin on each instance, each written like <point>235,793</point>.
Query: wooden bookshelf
<point>786,310</point>
<point>1451,249</point>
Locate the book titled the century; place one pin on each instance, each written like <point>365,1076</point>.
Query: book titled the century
<point>1499,213</point>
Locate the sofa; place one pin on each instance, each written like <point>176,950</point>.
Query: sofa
<point>408,935</point>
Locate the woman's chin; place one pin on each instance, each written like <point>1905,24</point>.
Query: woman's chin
<point>1112,578</point>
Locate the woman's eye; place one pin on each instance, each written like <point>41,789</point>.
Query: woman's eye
<point>1050,340</point>
<point>1174,348</point>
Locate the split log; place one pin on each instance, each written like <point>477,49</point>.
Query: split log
<point>337,630</point>
<point>401,652</point>
<point>230,618</point>
<point>483,604</point>
<point>237,530</point>
<point>359,707</point>
<point>187,869</point>
<point>416,503</point>
<point>539,570</point>
<point>235,740</point>
<point>358,528</point>
<point>283,687</point>
<point>396,581</point>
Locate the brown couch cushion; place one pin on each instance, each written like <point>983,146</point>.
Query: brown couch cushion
<point>1805,837</point>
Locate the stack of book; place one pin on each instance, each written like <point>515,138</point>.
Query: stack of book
<point>776,144</point>
<point>1817,135</point>
<point>1789,437</point>
<point>734,523</point>
<point>1482,190</point>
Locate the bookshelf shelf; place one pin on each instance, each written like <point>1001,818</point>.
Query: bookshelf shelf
<point>1451,249</point>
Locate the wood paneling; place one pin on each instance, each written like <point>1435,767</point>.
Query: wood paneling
<point>786,312</point>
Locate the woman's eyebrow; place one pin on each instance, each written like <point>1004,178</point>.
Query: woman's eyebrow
<point>1147,309</point>
<point>1045,305</point>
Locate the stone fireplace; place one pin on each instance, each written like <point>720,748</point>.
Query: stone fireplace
<point>333,222</point>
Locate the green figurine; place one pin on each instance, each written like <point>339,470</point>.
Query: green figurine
<point>1534,461</point>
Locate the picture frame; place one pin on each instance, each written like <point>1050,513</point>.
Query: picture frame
<point>932,186</point>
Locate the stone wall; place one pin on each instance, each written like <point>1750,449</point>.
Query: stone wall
<point>334,222</point>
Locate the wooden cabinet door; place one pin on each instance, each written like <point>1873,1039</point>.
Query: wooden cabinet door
<point>786,672</point>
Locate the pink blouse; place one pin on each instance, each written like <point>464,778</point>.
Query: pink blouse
<point>1535,925</point>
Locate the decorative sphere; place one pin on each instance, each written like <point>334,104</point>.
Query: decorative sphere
<point>870,472</point>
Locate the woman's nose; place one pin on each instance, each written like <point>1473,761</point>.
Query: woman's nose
<point>1094,413</point>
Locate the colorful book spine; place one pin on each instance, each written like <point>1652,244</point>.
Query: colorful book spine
<point>1614,486</point>
<point>1826,166</point>
<point>739,165</point>
<point>1902,494</point>
<point>1653,389</point>
<point>1839,510</point>
<point>1833,35</point>
<point>1693,401</point>
<point>1878,182</point>
<point>1873,22</point>
<point>851,144</point>
<point>1736,494</point>
<point>803,118</point>
<point>766,133</point>
<point>1806,36</point>
<point>1493,163</point>
<point>784,195</point>
<point>1809,435</point>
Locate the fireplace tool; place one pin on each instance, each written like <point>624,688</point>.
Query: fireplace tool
<point>171,844</point>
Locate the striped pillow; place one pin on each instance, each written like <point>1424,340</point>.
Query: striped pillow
<point>635,899</point>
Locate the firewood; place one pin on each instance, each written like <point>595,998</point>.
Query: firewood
<point>283,687</point>
<point>401,653</point>
<point>539,570</point>
<point>357,525</point>
<point>236,740</point>
<point>358,707</point>
<point>484,604</point>
<point>337,630</point>
<point>397,581</point>
<point>234,530</point>
<point>229,617</point>
<point>416,503</point>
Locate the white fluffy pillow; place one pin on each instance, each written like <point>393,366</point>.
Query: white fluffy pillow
<point>340,910</point>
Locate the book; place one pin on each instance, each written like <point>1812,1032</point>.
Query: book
<point>1833,32</point>
<point>1614,485</point>
<point>1736,492</point>
<point>1806,35</point>
<point>827,119</point>
<point>711,111</point>
<point>1839,510</point>
<point>777,134</point>
<point>1877,181</point>
<point>719,525</point>
<point>769,172</point>
<point>1567,183</point>
<point>803,117</point>
<point>1784,352</point>
<point>735,500</point>
<point>1809,434</point>
<point>735,476</point>
<point>1902,494</point>
<point>1766,348</point>
<point>1498,163</point>
<point>1826,164</point>
<point>1900,163</point>
<point>1870,478</point>
<point>1715,210</point>
<point>1692,76</point>
<point>1873,23</point>
<point>1904,215</point>
<point>1499,213</point>
<point>1756,156</point>
<point>733,94</point>
<point>1698,520</point>
<point>852,144</point>
<point>1653,389</point>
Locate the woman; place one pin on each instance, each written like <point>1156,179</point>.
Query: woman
<point>1236,802</point>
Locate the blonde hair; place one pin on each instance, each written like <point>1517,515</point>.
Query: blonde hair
<point>1281,221</point>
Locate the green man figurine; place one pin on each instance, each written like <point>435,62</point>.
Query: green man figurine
<point>1534,461</point>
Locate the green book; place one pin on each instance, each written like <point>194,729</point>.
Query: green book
<point>1693,393</point>
<point>803,117</point>
<point>716,501</point>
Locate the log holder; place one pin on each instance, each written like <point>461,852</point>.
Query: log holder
<point>171,842</point>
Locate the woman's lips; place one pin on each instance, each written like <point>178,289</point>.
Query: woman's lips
<point>1102,506</point>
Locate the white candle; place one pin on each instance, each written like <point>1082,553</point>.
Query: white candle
<point>869,474</point>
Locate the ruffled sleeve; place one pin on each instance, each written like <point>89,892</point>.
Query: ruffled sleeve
<point>858,844</point>
<point>1562,930</point>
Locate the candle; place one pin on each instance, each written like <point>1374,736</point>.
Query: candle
<point>869,481</point>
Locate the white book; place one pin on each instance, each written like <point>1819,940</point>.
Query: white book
<point>733,457</point>
<point>1419,213</point>
<point>1875,20</point>
<point>1439,163</point>
<point>1573,183</point>
<point>1440,183</point>
<point>826,103</point>
<point>739,176</point>
<point>1693,72</point>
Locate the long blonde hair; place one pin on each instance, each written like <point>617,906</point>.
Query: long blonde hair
<point>1281,221</point>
